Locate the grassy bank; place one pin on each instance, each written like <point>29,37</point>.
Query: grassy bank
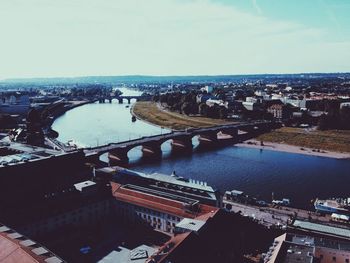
<point>333,140</point>
<point>150,112</point>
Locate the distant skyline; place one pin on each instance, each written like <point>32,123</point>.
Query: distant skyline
<point>67,38</point>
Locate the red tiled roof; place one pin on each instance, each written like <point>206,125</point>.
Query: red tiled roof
<point>15,247</point>
<point>206,216</point>
<point>157,203</point>
<point>11,251</point>
<point>174,242</point>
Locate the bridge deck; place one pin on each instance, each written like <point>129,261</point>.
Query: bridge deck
<point>168,136</point>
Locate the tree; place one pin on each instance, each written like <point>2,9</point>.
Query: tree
<point>213,111</point>
<point>171,100</point>
<point>203,109</point>
<point>155,97</point>
<point>323,122</point>
<point>163,98</point>
<point>223,112</point>
<point>344,118</point>
<point>186,108</point>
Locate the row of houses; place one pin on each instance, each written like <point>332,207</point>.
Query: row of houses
<point>14,102</point>
<point>281,106</point>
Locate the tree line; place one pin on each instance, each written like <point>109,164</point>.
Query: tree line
<point>186,103</point>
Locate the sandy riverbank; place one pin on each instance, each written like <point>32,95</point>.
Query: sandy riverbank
<point>292,149</point>
<point>152,113</point>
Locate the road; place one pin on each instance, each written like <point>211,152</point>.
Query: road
<point>278,216</point>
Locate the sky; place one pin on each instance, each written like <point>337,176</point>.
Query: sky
<point>50,38</point>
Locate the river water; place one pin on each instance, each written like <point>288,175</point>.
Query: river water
<point>256,172</point>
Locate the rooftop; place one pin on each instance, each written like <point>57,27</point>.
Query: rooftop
<point>124,255</point>
<point>285,250</point>
<point>15,247</point>
<point>175,180</point>
<point>296,253</point>
<point>209,244</point>
<point>14,152</point>
<point>168,186</point>
<point>291,247</point>
<point>83,185</point>
<point>318,242</point>
<point>153,200</point>
<point>324,229</point>
<point>190,224</point>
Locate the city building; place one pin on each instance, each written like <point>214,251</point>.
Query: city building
<point>212,102</point>
<point>209,238</point>
<point>291,247</point>
<point>208,89</point>
<point>14,102</point>
<point>28,173</point>
<point>280,111</point>
<point>252,104</point>
<point>202,98</point>
<point>83,204</point>
<point>158,200</point>
<point>325,230</point>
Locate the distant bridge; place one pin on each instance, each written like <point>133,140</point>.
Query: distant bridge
<point>136,97</point>
<point>180,140</point>
<point>121,98</point>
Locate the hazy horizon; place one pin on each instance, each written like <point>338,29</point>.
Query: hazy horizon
<point>164,76</point>
<point>75,38</point>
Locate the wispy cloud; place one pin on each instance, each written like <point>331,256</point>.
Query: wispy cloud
<point>256,7</point>
<point>156,37</point>
<point>331,16</point>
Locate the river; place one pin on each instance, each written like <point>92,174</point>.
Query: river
<point>257,172</point>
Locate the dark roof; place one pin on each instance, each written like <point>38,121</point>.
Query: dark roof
<point>216,241</point>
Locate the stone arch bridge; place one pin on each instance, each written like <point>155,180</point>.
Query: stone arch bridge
<point>121,98</point>
<point>136,97</point>
<point>180,140</point>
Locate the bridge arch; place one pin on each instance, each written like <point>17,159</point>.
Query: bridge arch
<point>180,143</point>
<point>133,100</point>
<point>181,140</point>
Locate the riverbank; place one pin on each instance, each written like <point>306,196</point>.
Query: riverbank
<point>292,149</point>
<point>72,104</point>
<point>333,144</point>
<point>329,141</point>
<point>152,113</point>
<point>56,113</point>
